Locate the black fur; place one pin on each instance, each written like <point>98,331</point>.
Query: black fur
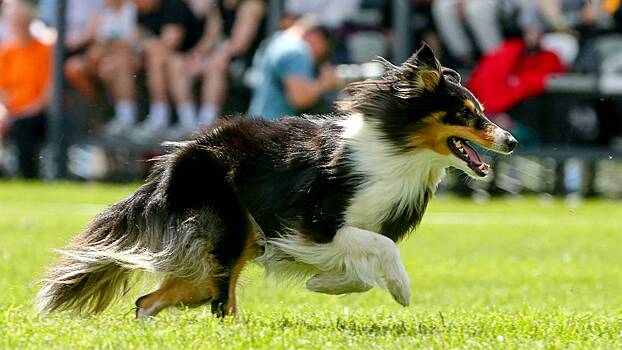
<point>290,173</point>
<point>405,221</point>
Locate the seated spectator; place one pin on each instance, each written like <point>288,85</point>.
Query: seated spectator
<point>561,16</point>
<point>452,17</point>
<point>518,69</point>
<point>5,32</point>
<point>200,8</point>
<point>168,30</point>
<point>511,74</point>
<point>79,15</point>
<point>287,83</point>
<point>614,9</point>
<point>327,13</point>
<point>25,66</point>
<point>110,59</point>
<point>234,29</point>
<point>356,38</point>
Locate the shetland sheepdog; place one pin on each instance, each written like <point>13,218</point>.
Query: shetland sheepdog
<point>324,198</point>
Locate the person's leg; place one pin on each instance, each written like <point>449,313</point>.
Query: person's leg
<point>76,73</point>
<point>482,16</point>
<point>155,67</point>
<point>28,135</point>
<point>447,18</point>
<point>180,88</point>
<point>215,85</point>
<point>117,71</point>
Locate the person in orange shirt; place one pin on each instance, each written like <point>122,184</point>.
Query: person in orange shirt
<point>25,69</point>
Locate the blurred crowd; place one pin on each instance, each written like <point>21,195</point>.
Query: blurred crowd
<point>168,67</point>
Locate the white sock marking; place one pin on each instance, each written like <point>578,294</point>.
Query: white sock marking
<point>360,256</point>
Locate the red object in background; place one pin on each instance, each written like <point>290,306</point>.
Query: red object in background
<point>510,74</point>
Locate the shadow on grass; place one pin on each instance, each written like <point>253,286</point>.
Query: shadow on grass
<point>356,324</point>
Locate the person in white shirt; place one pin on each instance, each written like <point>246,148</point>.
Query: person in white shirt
<point>5,30</point>
<point>109,58</point>
<point>481,17</point>
<point>79,16</point>
<point>328,13</point>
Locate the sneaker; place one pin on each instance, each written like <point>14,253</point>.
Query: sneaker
<point>148,133</point>
<point>179,133</point>
<point>116,128</point>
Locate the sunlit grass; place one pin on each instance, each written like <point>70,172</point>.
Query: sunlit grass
<point>505,274</point>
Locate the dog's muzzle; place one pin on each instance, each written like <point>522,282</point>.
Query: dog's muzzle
<point>504,142</point>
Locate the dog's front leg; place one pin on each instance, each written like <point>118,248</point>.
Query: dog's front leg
<point>358,260</point>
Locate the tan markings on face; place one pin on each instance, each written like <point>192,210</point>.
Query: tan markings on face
<point>427,79</point>
<point>433,134</point>
<point>468,104</point>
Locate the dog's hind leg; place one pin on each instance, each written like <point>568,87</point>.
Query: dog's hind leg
<point>224,301</point>
<point>220,289</point>
<point>200,181</point>
<point>173,292</point>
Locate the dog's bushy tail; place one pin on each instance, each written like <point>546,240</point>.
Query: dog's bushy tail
<point>149,231</point>
<point>97,266</point>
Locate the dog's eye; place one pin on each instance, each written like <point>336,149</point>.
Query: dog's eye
<point>464,112</point>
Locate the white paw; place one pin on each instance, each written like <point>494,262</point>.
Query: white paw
<point>142,314</point>
<point>146,313</point>
<point>397,280</point>
<point>400,290</point>
<point>336,283</point>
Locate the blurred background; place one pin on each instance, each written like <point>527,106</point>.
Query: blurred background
<point>89,89</point>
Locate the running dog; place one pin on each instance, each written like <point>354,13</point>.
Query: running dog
<point>324,198</point>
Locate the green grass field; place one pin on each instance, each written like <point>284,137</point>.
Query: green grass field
<point>505,274</point>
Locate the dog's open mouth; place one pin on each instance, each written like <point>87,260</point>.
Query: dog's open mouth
<point>462,150</point>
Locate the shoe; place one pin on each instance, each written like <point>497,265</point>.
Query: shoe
<point>87,162</point>
<point>148,133</point>
<point>116,128</point>
<point>179,133</point>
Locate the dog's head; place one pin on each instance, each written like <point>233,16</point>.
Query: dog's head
<point>421,105</point>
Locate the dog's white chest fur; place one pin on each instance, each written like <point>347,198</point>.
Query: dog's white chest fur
<point>358,257</point>
<point>393,182</point>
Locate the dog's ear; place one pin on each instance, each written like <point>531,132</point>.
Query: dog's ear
<point>426,59</point>
<point>425,69</point>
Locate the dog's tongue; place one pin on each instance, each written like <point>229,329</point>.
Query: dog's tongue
<point>472,154</point>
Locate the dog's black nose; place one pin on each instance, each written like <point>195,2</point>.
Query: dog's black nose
<point>511,142</point>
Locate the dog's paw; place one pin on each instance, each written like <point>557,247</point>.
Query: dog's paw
<point>336,283</point>
<point>397,282</point>
<point>146,310</point>
<point>400,290</point>
<point>142,314</point>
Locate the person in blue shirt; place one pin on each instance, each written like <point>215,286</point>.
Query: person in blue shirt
<point>288,81</point>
